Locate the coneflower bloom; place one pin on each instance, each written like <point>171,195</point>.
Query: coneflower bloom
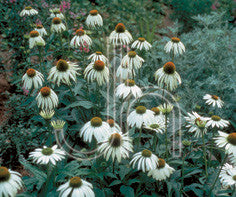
<point>42,32</point>
<point>28,11</point>
<point>56,13</point>
<point>140,116</point>
<point>124,72</point>
<point>117,146</point>
<point>128,88</point>
<point>132,60</point>
<point>94,19</point>
<point>228,141</point>
<point>58,124</point>
<point>196,124</point>
<point>167,76</point>
<point>162,171</point>
<point>47,99</point>
<point>213,100</point>
<point>114,127</point>
<point>95,128</point>
<point>10,182</point>
<point>57,25</point>
<point>232,158</point>
<point>228,175</point>
<point>158,125</point>
<point>35,39</point>
<point>158,114</point>
<point>175,45</point>
<point>32,79</point>
<point>63,72</point>
<point>80,39</point>
<point>216,121</point>
<point>141,43</point>
<point>47,155</point>
<point>145,160</point>
<point>76,187</point>
<point>97,71</point>
<point>165,108</point>
<point>98,56</point>
<point>120,35</point>
<point>47,114</point>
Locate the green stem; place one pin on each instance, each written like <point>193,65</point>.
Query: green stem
<point>139,141</point>
<point>154,143</point>
<point>204,152</point>
<point>114,166</point>
<point>50,133</point>
<point>217,176</point>
<point>45,190</point>
<point>166,139</point>
<point>182,172</point>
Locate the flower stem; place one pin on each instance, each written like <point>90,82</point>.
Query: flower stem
<point>166,140</point>
<point>114,166</point>
<point>182,172</point>
<point>204,152</point>
<point>139,141</point>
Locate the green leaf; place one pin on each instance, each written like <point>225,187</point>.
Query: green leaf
<point>127,191</point>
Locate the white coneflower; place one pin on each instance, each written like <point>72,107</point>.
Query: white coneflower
<point>76,187</point>
<point>228,141</point>
<point>132,60</point>
<point>56,13</point>
<point>80,39</point>
<point>128,88</point>
<point>175,45</point>
<point>47,155</point>
<point>216,121</point>
<point>98,56</point>
<point>10,182</point>
<point>213,100</point>
<point>233,159</point>
<point>158,114</point>
<point>35,39</point>
<point>63,72</point>
<point>28,11</point>
<point>41,30</point>
<point>47,99</point>
<point>228,175</point>
<point>120,35</point>
<point>117,146</point>
<point>145,160</point>
<point>167,76</point>
<point>32,78</point>
<point>57,25</point>
<point>162,171</point>
<point>165,108</point>
<point>97,71</point>
<point>95,128</point>
<point>58,124</point>
<point>158,125</point>
<point>140,116</point>
<point>94,19</point>
<point>47,114</point>
<point>124,72</point>
<point>196,124</point>
<point>114,127</point>
<point>140,44</point>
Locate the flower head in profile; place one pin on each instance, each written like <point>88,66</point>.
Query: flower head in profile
<point>213,100</point>
<point>32,79</point>
<point>175,46</point>
<point>141,44</point>
<point>76,187</point>
<point>158,114</point>
<point>80,39</point>
<point>47,114</point>
<point>120,35</point>
<point>28,11</point>
<point>228,141</point>
<point>145,160</point>
<point>95,128</point>
<point>94,19</point>
<point>162,171</point>
<point>98,56</point>
<point>114,127</point>
<point>140,116</point>
<point>97,71</point>
<point>63,72</point>
<point>165,108</point>
<point>42,31</point>
<point>116,145</point>
<point>132,60</point>
<point>47,99</point>
<point>55,12</point>
<point>10,182</point>
<point>57,25</point>
<point>167,76</point>
<point>35,39</point>
<point>128,88</point>
<point>158,125</point>
<point>124,72</point>
<point>47,155</point>
<point>228,175</point>
<point>58,124</point>
<point>216,121</point>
